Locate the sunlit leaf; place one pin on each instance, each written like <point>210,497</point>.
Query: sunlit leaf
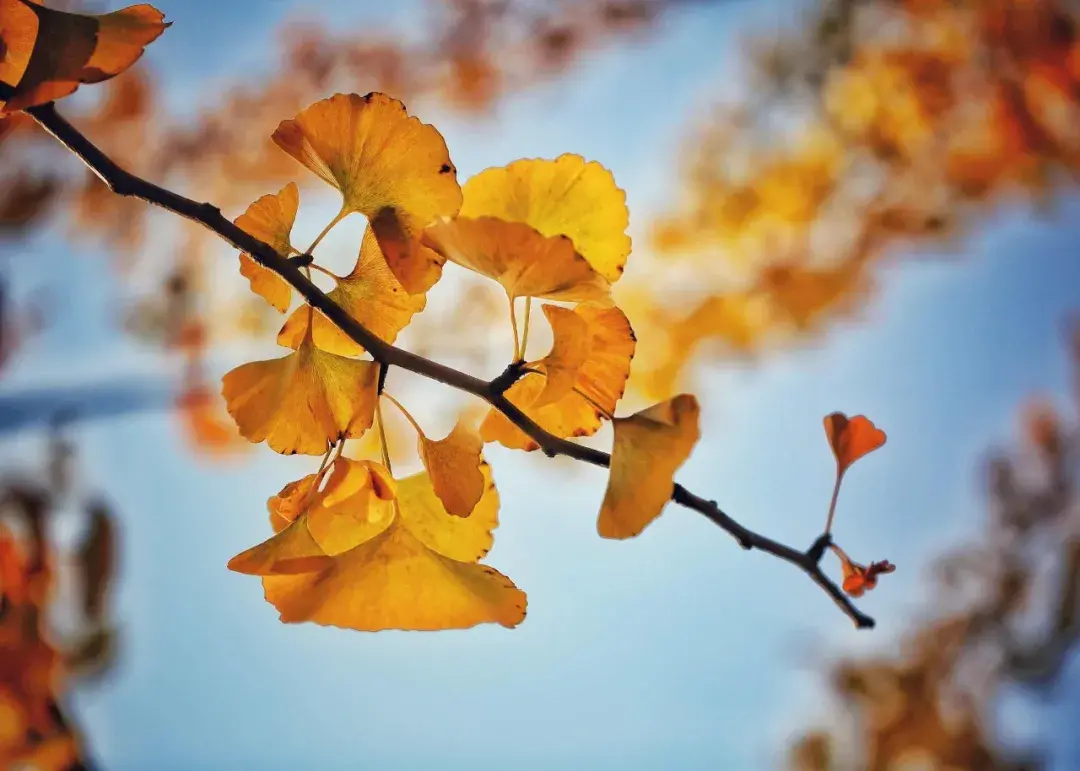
<point>649,448</point>
<point>852,438</point>
<point>394,581</point>
<point>465,539</point>
<point>453,465</point>
<point>47,54</point>
<point>597,387</point>
<point>270,219</point>
<point>370,294</point>
<point>390,167</point>
<point>566,196</point>
<point>569,352</point>
<point>292,550</point>
<point>859,579</point>
<point>291,502</point>
<point>304,401</point>
<point>525,262</point>
<point>356,505</point>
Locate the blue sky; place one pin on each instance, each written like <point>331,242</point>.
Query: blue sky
<point>673,651</point>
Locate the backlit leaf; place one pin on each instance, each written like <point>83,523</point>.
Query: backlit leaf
<point>453,465</point>
<point>270,219</point>
<point>465,539</point>
<point>525,262</point>
<point>649,448</point>
<point>390,167</point>
<point>569,352</point>
<point>370,294</point>
<point>292,550</point>
<point>852,438</point>
<point>304,401</point>
<point>566,196</point>
<point>47,54</point>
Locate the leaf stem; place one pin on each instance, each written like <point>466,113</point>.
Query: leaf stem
<point>514,328</point>
<point>405,412</point>
<point>382,436</point>
<point>330,226</point>
<point>832,503</point>
<point>525,332</point>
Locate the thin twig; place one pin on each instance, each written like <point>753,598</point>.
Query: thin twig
<point>209,216</point>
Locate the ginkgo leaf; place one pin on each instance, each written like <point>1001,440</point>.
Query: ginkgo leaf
<point>859,579</point>
<point>649,448</point>
<point>394,581</point>
<point>852,438</point>
<point>47,54</point>
<point>390,167</point>
<point>453,464</point>
<point>571,415</point>
<point>370,294</point>
<point>270,219</point>
<point>525,262</point>
<point>569,352</point>
<point>597,387</point>
<point>566,196</point>
<point>291,502</point>
<point>302,402</point>
<point>465,539</point>
<point>292,550</point>
<point>354,507</point>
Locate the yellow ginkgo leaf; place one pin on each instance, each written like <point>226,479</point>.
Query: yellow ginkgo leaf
<point>465,539</point>
<point>291,502</point>
<point>370,294</point>
<point>390,167</point>
<point>304,401</point>
<point>567,196</point>
<point>270,219</point>
<point>356,505</point>
<point>46,54</point>
<point>453,464</point>
<point>569,352</point>
<point>525,262</point>
<point>292,550</point>
<point>394,581</point>
<point>572,415</point>
<point>649,448</point>
<point>597,387</point>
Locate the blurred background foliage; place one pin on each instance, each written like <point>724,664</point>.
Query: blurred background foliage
<point>871,131</point>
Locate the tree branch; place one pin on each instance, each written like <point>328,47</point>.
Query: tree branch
<point>123,183</point>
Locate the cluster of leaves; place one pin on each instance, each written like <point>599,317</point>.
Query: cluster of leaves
<point>354,546</point>
<point>38,664</point>
<point>1004,617</point>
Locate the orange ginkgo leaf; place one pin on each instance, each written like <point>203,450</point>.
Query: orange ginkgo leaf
<point>291,502</point>
<point>597,387</point>
<point>304,401</point>
<point>292,550</point>
<point>859,579</point>
<point>47,54</point>
<point>649,448</point>
<point>524,261</point>
<point>852,438</point>
<point>453,465</point>
<point>370,294</point>
<point>390,167</point>
<point>419,572</point>
<point>567,196</point>
<point>570,346</point>
<point>270,219</point>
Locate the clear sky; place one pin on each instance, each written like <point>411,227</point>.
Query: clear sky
<point>676,650</point>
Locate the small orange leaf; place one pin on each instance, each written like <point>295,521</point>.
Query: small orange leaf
<point>292,550</point>
<point>859,579</point>
<point>291,502</point>
<point>524,261</point>
<point>390,167</point>
<point>649,448</point>
<point>47,54</point>
<point>852,438</point>
<point>270,219</point>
